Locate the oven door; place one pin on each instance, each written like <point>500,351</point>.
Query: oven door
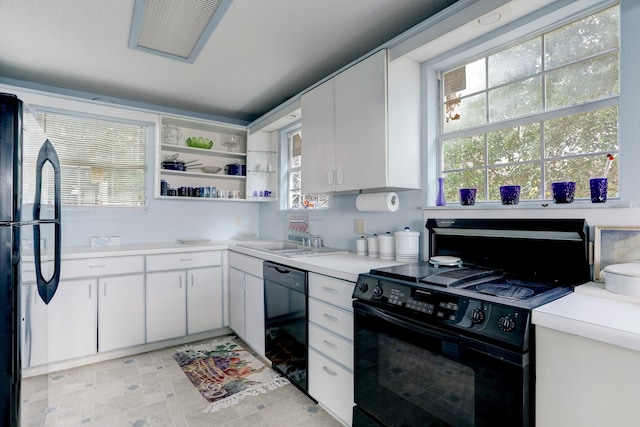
<point>411,375</point>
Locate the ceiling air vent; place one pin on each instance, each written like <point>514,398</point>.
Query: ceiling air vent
<point>176,29</point>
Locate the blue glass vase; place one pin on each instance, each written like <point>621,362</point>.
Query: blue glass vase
<point>440,200</point>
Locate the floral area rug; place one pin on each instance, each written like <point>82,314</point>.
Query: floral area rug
<point>225,373</point>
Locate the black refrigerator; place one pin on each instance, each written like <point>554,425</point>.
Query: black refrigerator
<point>30,231</point>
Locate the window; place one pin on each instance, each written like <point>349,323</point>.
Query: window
<point>539,111</point>
<point>103,161</point>
<point>295,199</point>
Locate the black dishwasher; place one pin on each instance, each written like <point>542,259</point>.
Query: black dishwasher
<point>286,334</point>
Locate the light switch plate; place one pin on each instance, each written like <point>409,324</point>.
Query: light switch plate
<point>359,226</point>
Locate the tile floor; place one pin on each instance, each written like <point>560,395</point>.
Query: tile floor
<point>150,389</point>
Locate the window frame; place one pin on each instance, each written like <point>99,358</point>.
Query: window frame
<point>284,166</point>
<point>546,19</point>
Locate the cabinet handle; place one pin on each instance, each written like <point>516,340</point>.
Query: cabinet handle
<point>105,289</point>
<point>340,176</point>
<point>329,371</point>
<point>89,291</point>
<point>330,290</point>
<point>329,317</point>
<point>330,177</point>
<point>180,281</point>
<point>98,266</point>
<point>192,281</point>
<point>185,259</point>
<point>329,344</point>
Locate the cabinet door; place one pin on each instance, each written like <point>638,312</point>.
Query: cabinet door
<point>361,125</point>
<point>254,312</point>
<point>65,328</point>
<point>120,312</point>
<point>166,306</point>
<point>204,299</point>
<point>318,133</point>
<point>236,302</point>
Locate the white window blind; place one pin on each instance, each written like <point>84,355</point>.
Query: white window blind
<point>103,160</point>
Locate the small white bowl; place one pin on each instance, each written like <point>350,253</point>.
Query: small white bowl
<point>623,279</point>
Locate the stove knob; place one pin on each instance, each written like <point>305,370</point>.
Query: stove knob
<point>363,287</point>
<point>377,291</point>
<point>506,324</point>
<point>477,316</point>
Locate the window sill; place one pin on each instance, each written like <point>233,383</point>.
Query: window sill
<point>580,204</point>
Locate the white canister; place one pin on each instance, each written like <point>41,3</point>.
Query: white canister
<point>623,278</point>
<point>372,246</point>
<point>407,245</point>
<point>387,246</point>
<point>361,246</point>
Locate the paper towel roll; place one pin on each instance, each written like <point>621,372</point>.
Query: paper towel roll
<point>378,202</point>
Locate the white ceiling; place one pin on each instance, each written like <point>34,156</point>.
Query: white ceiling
<point>262,53</point>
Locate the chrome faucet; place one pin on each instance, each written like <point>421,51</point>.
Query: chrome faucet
<point>311,240</point>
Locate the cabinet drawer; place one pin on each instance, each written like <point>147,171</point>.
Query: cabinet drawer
<point>332,318</point>
<point>331,385</point>
<point>333,346</point>
<point>93,267</point>
<point>246,263</point>
<point>183,260</point>
<point>334,291</point>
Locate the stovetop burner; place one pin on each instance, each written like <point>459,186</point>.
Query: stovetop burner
<point>475,279</point>
<point>504,290</point>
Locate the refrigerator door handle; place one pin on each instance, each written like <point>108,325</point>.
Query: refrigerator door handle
<point>47,288</point>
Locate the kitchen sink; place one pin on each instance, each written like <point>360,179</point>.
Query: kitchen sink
<point>290,249</point>
<point>270,246</point>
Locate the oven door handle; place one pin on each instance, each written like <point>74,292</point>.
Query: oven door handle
<point>469,343</point>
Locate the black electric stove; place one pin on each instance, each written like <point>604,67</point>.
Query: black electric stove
<point>451,343</point>
<point>506,268</point>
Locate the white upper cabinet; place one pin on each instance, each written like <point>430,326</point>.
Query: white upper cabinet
<point>318,139</point>
<point>361,129</point>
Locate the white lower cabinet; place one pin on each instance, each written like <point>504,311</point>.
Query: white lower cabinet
<point>331,344</point>
<point>204,299</point>
<point>65,328</point>
<point>166,305</point>
<point>120,312</point>
<point>246,299</point>
<point>183,294</point>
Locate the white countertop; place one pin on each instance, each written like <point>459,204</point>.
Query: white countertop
<point>346,266</point>
<point>594,312</point>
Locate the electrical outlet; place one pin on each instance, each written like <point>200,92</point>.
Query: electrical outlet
<point>359,226</point>
<point>238,221</point>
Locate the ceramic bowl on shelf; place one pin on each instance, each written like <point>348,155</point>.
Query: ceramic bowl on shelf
<point>210,169</point>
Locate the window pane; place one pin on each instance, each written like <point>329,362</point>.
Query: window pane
<point>516,99</point>
<point>592,132</point>
<point>526,175</point>
<point>102,161</point>
<point>461,113</point>
<point>464,152</point>
<point>584,38</point>
<point>584,81</point>
<point>515,63</point>
<point>518,144</point>
<point>465,80</point>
